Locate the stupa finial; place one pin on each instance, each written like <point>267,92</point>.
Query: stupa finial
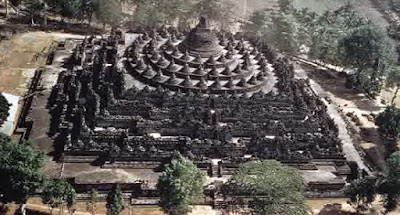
<point>203,22</point>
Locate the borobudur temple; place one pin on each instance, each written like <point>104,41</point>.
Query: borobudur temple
<point>132,100</point>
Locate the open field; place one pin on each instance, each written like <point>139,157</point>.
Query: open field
<point>20,57</point>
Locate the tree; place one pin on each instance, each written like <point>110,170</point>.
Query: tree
<point>6,6</point>
<point>87,9</point>
<point>180,183</point>
<point>114,201</point>
<point>390,186</point>
<point>393,80</point>
<point>108,12</point>
<point>4,108</point>
<point>20,174</point>
<point>288,30</point>
<point>184,12</point>
<point>93,199</point>
<point>36,8</point>
<point>16,4</point>
<point>275,188</point>
<point>395,5</point>
<point>329,28</point>
<point>66,8</point>
<point>368,51</point>
<point>362,191</point>
<point>57,192</point>
<point>221,12</point>
<point>149,13</point>
<point>389,121</point>
<point>159,12</point>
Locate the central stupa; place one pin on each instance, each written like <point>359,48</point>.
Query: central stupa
<point>201,40</point>
<point>201,61</point>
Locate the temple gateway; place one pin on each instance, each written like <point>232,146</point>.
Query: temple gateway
<point>133,100</point>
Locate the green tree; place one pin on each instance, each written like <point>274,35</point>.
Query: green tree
<point>4,108</point>
<point>93,199</point>
<point>395,5</point>
<point>115,202</point>
<point>389,121</point>
<point>57,192</point>
<point>221,12</point>
<point>286,33</point>
<point>87,9</point>
<point>275,188</point>
<point>159,12</point>
<point>368,51</point>
<point>65,8</point>
<point>286,5</point>
<point>329,28</point>
<point>362,192</point>
<point>258,22</point>
<point>393,80</point>
<point>288,30</point>
<point>390,186</point>
<point>16,4</point>
<point>36,8</point>
<point>149,13</point>
<point>184,12</point>
<point>19,170</point>
<point>180,183</point>
<point>108,12</point>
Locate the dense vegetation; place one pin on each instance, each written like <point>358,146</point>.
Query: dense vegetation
<point>363,191</point>
<point>57,193</point>
<point>19,170</point>
<point>180,183</point>
<point>21,177</point>
<point>339,37</point>
<point>388,123</point>
<point>4,108</point>
<point>115,204</point>
<point>275,188</point>
<point>147,12</point>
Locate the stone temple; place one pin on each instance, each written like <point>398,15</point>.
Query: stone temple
<point>134,100</point>
<point>199,62</point>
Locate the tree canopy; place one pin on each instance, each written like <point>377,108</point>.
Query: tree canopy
<point>390,186</point>
<point>328,28</point>
<point>339,37</point>
<point>57,192</point>
<point>93,199</point>
<point>275,188</point>
<point>369,52</point>
<point>361,191</point>
<point>66,8</point>
<point>108,11</point>
<point>4,108</point>
<point>184,12</point>
<point>180,183</point>
<point>19,170</point>
<point>115,204</point>
<point>389,121</point>
<point>395,5</point>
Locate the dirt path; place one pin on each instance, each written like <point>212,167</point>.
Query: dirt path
<point>348,145</point>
